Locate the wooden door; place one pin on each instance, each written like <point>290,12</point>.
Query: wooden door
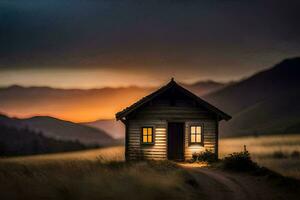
<point>176,141</point>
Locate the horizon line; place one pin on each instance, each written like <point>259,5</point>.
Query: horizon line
<point>114,87</point>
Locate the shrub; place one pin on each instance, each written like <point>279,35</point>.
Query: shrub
<point>195,157</point>
<point>206,156</point>
<point>279,155</point>
<point>295,154</point>
<point>239,161</point>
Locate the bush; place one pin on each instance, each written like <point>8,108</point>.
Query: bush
<point>279,155</point>
<point>295,154</point>
<point>239,161</point>
<point>206,156</point>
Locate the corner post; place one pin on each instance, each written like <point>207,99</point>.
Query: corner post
<point>217,138</point>
<point>126,139</point>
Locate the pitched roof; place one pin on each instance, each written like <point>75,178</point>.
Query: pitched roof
<point>171,84</point>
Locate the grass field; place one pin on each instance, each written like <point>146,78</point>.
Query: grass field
<point>115,153</point>
<point>274,152</point>
<point>95,174</point>
<point>103,174</point>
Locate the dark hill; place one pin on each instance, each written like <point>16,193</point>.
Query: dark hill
<point>59,129</point>
<point>204,87</point>
<point>114,128</point>
<point>265,103</point>
<point>22,141</point>
<point>77,104</point>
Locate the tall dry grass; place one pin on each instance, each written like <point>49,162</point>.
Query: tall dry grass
<point>102,173</point>
<point>97,179</point>
<point>115,153</point>
<point>263,150</point>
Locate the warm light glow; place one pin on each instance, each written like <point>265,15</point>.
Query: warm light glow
<point>196,132</point>
<point>77,108</point>
<point>144,139</point>
<point>193,138</point>
<point>77,78</point>
<point>147,134</point>
<point>145,131</point>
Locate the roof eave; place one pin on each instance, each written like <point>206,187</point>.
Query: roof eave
<point>119,116</point>
<point>226,117</point>
<point>129,109</point>
<point>144,100</point>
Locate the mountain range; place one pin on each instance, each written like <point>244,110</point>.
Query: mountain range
<point>78,105</point>
<point>22,141</point>
<point>265,103</point>
<point>115,129</point>
<point>59,129</point>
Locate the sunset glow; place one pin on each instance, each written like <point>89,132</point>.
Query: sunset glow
<point>149,99</point>
<point>76,105</point>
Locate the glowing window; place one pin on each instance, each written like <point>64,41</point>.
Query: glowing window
<point>196,135</point>
<point>147,135</point>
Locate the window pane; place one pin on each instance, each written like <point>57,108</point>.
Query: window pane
<point>144,131</point>
<point>193,129</point>
<point>145,139</point>
<point>193,138</point>
<point>149,131</point>
<point>198,138</point>
<point>149,138</point>
<point>198,129</point>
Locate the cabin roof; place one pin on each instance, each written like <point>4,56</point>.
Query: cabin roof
<point>160,91</point>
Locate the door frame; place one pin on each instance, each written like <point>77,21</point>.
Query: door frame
<point>183,141</point>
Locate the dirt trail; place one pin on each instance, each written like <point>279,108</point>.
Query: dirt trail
<point>217,184</point>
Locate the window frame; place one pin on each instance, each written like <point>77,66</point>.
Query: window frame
<point>201,136</point>
<point>153,135</point>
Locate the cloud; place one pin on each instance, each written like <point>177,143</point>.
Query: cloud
<point>149,35</point>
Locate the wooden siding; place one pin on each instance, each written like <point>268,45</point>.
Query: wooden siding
<point>155,151</point>
<point>209,133</point>
<point>172,113</point>
<point>158,114</point>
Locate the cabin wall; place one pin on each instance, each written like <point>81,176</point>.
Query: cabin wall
<point>158,114</point>
<point>136,150</point>
<point>209,139</point>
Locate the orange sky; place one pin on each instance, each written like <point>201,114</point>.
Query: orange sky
<point>87,78</point>
<point>86,44</point>
<point>72,105</point>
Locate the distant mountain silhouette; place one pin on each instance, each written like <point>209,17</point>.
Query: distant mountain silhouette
<point>22,141</point>
<point>59,129</point>
<point>265,103</point>
<point>204,87</point>
<point>76,104</point>
<point>17,138</point>
<point>115,129</point>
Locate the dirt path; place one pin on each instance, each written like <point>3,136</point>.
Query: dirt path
<point>217,184</point>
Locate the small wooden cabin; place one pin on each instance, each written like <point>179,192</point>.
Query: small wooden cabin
<point>171,123</point>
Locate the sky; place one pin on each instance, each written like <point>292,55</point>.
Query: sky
<point>98,43</point>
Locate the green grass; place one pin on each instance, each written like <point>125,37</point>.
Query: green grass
<point>94,179</point>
